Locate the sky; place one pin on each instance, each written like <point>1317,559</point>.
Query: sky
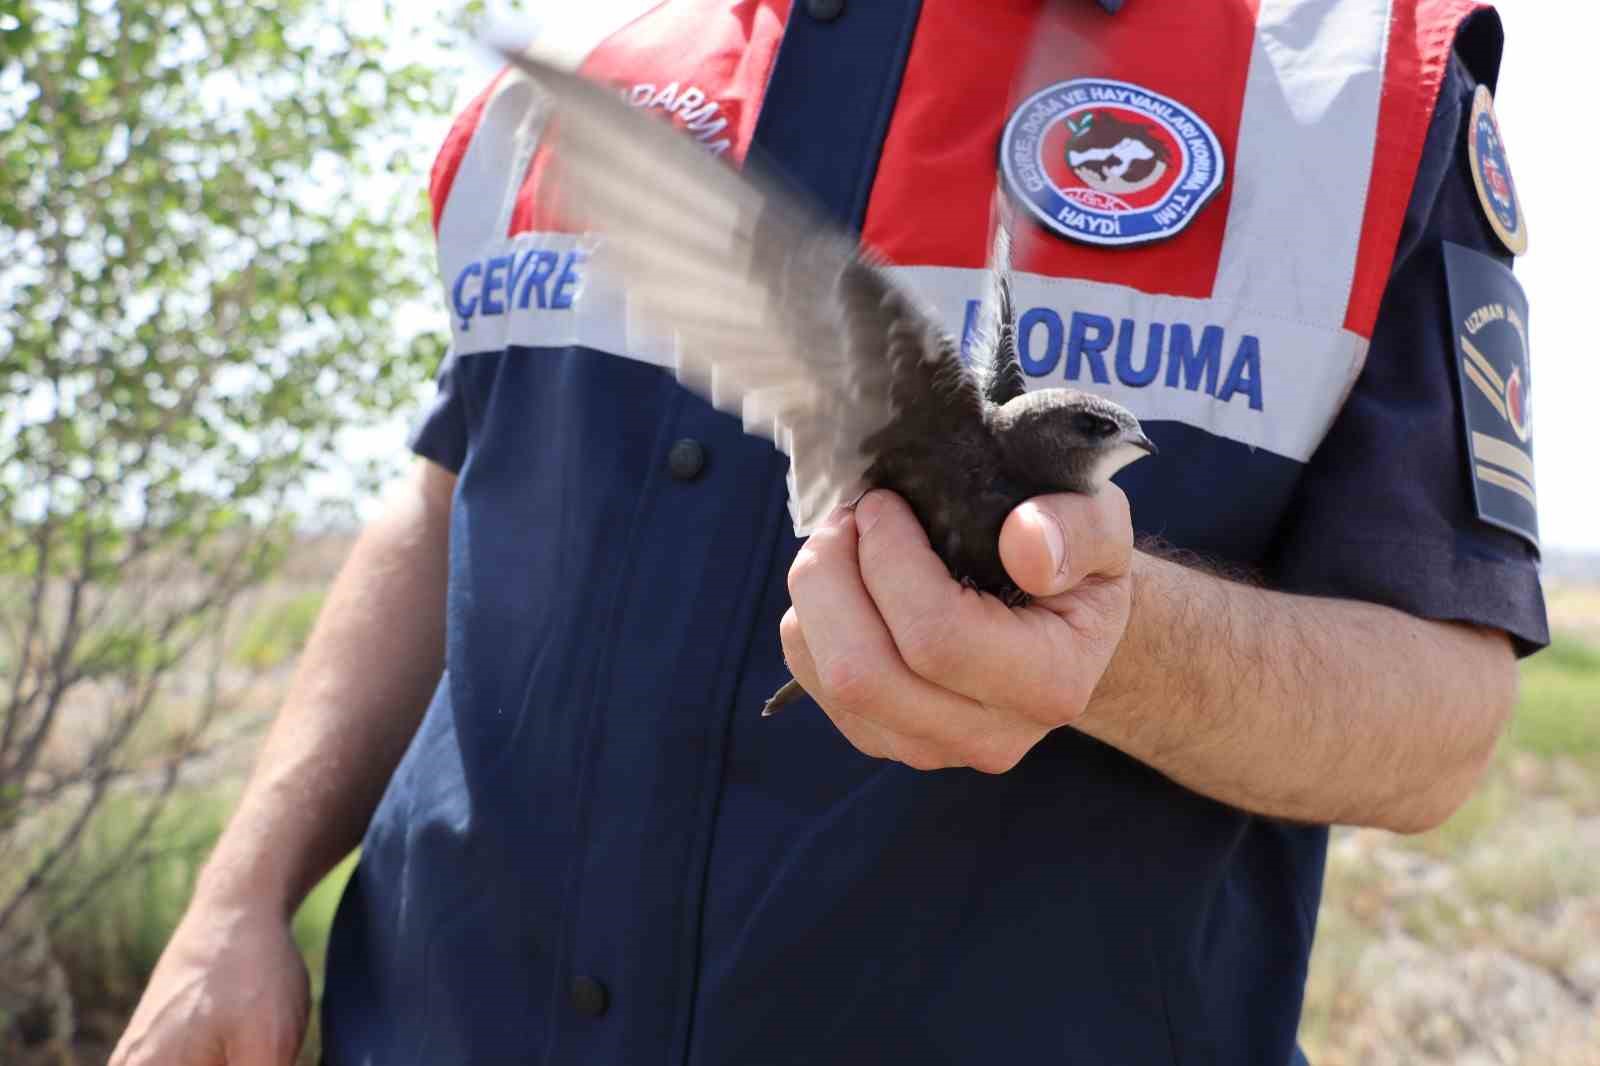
<point>1540,102</point>
<point>1541,105</point>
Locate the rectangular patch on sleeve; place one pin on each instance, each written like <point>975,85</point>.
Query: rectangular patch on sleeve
<point>1489,317</point>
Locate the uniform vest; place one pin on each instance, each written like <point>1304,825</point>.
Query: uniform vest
<point>1250,326</point>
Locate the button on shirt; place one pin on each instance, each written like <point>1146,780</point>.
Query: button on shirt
<point>708,887</point>
<point>686,459</point>
<point>589,997</point>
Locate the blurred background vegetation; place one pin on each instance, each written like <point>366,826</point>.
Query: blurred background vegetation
<point>212,228</point>
<point>215,267</point>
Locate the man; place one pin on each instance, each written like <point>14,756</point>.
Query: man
<point>1089,831</point>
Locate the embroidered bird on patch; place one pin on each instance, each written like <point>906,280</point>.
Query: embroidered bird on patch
<point>778,316</point>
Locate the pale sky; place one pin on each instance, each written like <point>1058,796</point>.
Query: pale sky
<point>1543,116</point>
<point>1545,82</point>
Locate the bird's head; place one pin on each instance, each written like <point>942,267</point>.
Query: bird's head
<point>1068,440</point>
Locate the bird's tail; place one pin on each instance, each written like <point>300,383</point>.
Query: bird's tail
<point>790,692</point>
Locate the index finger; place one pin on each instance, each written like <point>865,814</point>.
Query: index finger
<point>858,667</point>
<point>955,637</point>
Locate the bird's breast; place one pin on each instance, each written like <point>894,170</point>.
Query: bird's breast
<point>961,496</point>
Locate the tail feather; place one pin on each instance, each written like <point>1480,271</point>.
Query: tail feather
<point>790,692</point>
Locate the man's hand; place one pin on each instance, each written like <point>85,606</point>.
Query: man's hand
<point>912,666</point>
<point>230,990</point>
<point>1300,707</point>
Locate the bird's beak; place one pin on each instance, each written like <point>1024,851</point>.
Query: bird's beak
<point>1139,440</point>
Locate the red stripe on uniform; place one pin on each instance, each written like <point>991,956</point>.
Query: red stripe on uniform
<point>1420,45</point>
<point>720,52</point>
<point>448,161</point>
<point>939,165</point>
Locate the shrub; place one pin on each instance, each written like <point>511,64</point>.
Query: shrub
<point>278,631</point>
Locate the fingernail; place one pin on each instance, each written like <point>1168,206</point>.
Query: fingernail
<point>867,511</point>
<point>1055,539</point>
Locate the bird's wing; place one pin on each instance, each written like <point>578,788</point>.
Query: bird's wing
<point>774,313</point>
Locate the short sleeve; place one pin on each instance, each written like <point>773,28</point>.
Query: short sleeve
<point>440,430</point>
<point>1385,511</point>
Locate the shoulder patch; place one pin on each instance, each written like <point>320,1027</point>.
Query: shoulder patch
<point>1489,318</point>
<point>1491,174</point>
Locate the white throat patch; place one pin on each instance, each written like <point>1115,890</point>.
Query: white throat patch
<point>1114,460</point>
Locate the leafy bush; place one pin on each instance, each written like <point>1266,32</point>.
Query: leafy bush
<point>110,947</point>
<point>206,250</point>
<point>277,632</point>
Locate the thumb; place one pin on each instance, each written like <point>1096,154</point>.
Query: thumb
<point>1050,544</point>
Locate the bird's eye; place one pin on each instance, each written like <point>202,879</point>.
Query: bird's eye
<point>1093,425</point>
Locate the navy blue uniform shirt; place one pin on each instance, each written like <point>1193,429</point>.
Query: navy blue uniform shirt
<point>595,851</point>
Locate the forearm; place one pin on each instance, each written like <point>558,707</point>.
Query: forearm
<point>353,705</point>
<point>1310,709</point>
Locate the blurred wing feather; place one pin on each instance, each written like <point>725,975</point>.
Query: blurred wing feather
<point>994,344</point>
<point>773,314</point>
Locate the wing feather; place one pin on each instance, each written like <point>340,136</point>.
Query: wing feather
<point>994,344</point>
<point>773,313</point>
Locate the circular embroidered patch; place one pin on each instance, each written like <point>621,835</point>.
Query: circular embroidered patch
<point>1491,174</point>
<point>1110,162</point>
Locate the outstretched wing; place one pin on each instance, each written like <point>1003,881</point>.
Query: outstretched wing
<point>774,313</point>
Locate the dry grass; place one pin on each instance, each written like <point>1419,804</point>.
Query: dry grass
<point>1479,943</point>
<point>109,948</point>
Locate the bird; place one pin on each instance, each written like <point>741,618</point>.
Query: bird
<point>779,316</point>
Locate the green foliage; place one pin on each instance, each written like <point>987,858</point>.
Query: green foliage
<point>311,924</point>
<point>1569,654</point>
<point>315,916</point>
<point>211,223</point>
<point>203,268</point>
<point>211,212</point>
<point>110,948</point>
<point>1559,713</point>
<point>122,650</point>
<point>277,632</point>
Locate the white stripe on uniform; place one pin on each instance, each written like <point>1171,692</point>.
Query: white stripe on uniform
<point>1304,369</point>
<point>478,207</point>
<point>1304,158</point>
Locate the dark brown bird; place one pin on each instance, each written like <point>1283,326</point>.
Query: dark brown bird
<point>778,316</point>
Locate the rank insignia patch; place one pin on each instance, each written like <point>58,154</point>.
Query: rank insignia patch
<point>1109,162</point>
<point>1489,317</point>
<point>1491,174</point>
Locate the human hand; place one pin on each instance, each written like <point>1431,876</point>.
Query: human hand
<point>229,990</point>
<point>912,666</point>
